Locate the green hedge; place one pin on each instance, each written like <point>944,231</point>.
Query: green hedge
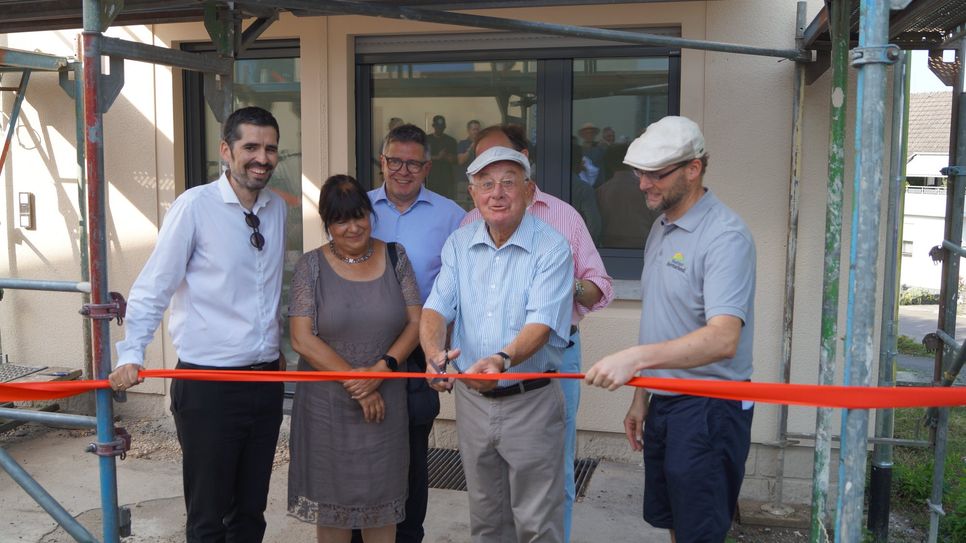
<point>918,296</point>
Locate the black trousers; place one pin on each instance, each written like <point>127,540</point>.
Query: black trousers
<point>228,433</point>
<point>410,530</point>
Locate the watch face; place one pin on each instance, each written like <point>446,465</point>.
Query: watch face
<point>506,360</point>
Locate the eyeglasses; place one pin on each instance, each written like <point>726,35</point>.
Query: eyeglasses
<point>654,177</point>
<point>257,239</point>
<point>508,184</point>
<point>412,166</point>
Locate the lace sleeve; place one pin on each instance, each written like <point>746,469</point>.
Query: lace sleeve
<point>302,302</point>
<point>407,277</point>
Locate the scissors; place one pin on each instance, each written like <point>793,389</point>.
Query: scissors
<point>440,370</point>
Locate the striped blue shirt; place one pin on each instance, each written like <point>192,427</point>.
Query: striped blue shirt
<point>491,293</point>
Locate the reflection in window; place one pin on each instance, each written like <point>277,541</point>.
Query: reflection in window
<point>450,101</point>
<point>614,99</point>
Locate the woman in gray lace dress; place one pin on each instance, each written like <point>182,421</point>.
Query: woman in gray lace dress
<point>351,309</point>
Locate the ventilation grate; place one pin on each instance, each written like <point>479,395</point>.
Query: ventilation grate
<point>446,471</point>
<point>583,470</point>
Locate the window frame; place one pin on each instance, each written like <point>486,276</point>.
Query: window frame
<point>554,114</point>
<point>193,89</point>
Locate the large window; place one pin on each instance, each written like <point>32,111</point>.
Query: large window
<point>580,107</point>
<point>457,94</point>
<point>267,75</point>
<point>613,100</point>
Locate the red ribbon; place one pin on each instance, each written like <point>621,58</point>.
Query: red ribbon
<point>847,397</point>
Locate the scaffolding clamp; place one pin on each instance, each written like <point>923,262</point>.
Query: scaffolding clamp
<point>932,342</point>
<point>119,447</point>
<point>116,309</point>
<point>936,508</point>
<point>953,171</point>
<point>880,54</point>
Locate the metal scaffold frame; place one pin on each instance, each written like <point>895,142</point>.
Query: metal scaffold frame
<point>94,92</point>
<point>949,358</point>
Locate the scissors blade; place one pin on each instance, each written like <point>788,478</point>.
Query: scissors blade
<point>439,370</point>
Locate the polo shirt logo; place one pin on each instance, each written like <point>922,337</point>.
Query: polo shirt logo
<point>677,262</point>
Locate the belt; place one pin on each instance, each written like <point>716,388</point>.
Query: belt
<point>260,366</point>
<point>519,388</point>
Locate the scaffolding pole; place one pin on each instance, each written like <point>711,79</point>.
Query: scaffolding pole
<point>949,295</point>
<point>338,7</point>
<point>97,238</point>
<point>78,95</point>
<point>839,29</point>
<point>777,507</point>
<point>880,481</point>
<point>36,284</point>
<point>14,115</point>
<point>871,58</point>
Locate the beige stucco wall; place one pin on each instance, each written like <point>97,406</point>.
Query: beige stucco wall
<point>743,104</point>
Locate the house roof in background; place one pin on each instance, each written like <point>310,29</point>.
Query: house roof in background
<point>929,122</point>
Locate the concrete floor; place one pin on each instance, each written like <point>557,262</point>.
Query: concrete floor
<point>611,510</point>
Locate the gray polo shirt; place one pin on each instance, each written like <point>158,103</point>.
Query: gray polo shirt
<point>696,268</point>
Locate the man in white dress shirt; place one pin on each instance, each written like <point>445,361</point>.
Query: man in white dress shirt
<point>218,262</point>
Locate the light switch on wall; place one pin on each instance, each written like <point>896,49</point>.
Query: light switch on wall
<point>26,211</point>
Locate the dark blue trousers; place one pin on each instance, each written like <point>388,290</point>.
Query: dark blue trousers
<point>694,461</point>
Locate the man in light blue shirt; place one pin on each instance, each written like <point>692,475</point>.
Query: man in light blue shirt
<point>410,214</point>
<point>506,284</point>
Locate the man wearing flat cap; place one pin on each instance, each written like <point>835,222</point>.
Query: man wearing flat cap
<point>697,322</point>
<point>506,285</point>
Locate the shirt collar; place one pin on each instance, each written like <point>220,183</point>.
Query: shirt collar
<point>693,217</point>
<point>229,197</point>
<point>540,197</point>
<point>380,196</point>
<point>522,237</point>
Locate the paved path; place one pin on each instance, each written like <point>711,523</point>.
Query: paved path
<point>916,321</point>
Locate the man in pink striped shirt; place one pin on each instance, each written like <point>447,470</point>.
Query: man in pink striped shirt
<point>592,287</point>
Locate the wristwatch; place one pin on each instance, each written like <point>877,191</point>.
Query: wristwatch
<point>578,289</point>
<point>391,362</point>
<point>506,360</point>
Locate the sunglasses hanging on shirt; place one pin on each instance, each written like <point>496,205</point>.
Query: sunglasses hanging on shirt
<point>257,239</point>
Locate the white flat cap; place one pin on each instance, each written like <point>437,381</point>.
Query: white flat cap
<point>498,154</point>
<point>668,141</point>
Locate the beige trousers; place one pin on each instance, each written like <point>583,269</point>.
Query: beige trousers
<point>513,453</point>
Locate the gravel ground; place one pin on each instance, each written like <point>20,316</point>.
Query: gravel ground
<point>157,440</point>
<point>150,439</point>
